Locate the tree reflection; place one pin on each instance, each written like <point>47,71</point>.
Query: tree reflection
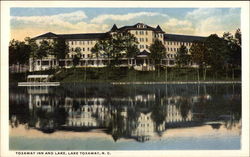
<point>184,107</point>
<point>135,112</point>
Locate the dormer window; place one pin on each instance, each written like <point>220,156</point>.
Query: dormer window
<point>141,26</point>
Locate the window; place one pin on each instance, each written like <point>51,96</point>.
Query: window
<point>174,49</point>
<point>88,49</point>
<point>146,32</point>
<point>146,39</point>
<point>168,49</point>
<point>45,62</point>
<point>72,43</point>
<point>170,44</point>
<point>72,49</point>
<point>147,46</point>
<point>83,55</point>
<point>88,55</point>
<point>142,32</point>
<point>142,39</point>
<point>83,42</point>
<point>136,32</point>
<point>83,49</point>
<point>88,42</point>
<point>171,49</point>
<point>174,43</point>
<point>75,42</point>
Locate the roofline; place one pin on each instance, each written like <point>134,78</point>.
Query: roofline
<point>186,35</point>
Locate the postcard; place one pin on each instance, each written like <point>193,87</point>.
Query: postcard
<point>113,78</point>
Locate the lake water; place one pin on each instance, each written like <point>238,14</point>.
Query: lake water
<point>125,117</point>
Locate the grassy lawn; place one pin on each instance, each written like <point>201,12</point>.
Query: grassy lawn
<point>127,75</point>
<point>130,75</point>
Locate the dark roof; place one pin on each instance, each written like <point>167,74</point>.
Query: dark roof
<point>73,36</point>
<point>143,53</point>
<point>158,28</point>
<point>83,36</point>
<point>134,27</point>
<point>184,38</point>
<point>47,35</point>
<point>114,28</point>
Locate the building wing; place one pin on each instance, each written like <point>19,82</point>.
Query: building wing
<point>182,38</point>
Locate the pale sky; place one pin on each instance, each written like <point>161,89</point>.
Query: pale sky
<point>190,21</point>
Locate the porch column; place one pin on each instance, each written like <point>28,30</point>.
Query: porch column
<point>95,62</point>
<point>53,63</point>
<point>41,64</point>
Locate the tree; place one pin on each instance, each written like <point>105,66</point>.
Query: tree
<point>199,56</point>
<point>118,45</point>
<point>234,49</point>
<point>44,49</point>
<point>13,52</point>
<point>130,44</point>
<point>96,51</point>
<point>237,37</point>
<point>76,57</point>
<point>18,53</point>
<point>33,50</point>
<point>158,51</point>
<point>60,48</point>
<point>182,58</point>
<point>217,53</point>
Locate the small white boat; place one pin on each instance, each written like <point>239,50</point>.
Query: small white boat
<point>38,80</point>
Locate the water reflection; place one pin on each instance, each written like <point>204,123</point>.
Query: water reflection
<point>137,112</point>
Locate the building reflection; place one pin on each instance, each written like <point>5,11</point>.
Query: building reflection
<point>138,116</point>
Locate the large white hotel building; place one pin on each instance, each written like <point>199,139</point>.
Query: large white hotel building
<point>144,34</point>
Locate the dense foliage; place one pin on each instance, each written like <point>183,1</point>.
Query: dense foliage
<point>219,55</point>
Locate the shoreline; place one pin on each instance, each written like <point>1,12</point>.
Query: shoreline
<point>147,82</point>
<point>179,82</point>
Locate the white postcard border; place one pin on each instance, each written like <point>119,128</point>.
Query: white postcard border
<point>5,38</point>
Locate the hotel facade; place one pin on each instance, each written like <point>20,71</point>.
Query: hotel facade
<point>145,35</point>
